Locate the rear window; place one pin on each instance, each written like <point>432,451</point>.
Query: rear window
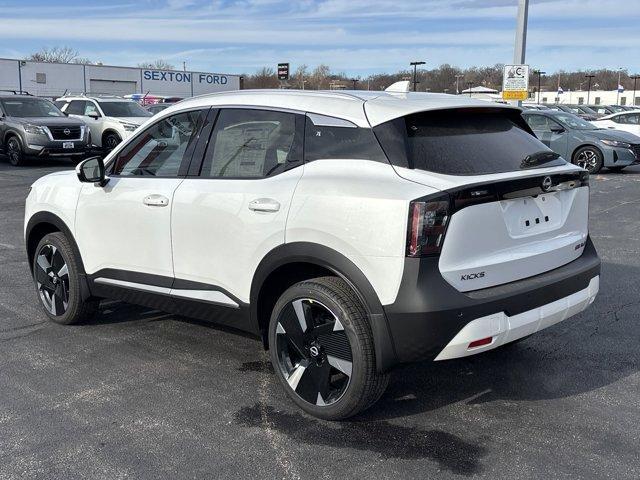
<point>461,142</point>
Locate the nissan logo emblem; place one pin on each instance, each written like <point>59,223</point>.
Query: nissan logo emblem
<point>546,184</point>
<point>315,351</point>
<point>67,132</point>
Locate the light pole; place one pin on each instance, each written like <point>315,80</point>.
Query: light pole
<point>458,77</point>
<point>618,87</point>
<point>539,73</point>
<point>635,79</point>
<point>415,74</point>
<point>589,77</point>
<point>469,87</point>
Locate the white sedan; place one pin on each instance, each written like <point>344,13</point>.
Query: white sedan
<point>627,121</point>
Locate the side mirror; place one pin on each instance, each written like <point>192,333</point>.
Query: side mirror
<point>94,115</point>
<point>92,170</point>
<point>557,129</point>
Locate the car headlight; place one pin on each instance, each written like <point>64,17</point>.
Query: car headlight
<point>616,143</point>
<point>34,129</point>
<point>129,127</point>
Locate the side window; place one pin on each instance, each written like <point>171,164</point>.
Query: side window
<point>76,107</point>
<point>248,143</point>
<point>633,119</point>
<point>327,137</point>
<point>537,122</point>
<point>620,119</point>
<point>91,108</point>
<point>60,103</point>
<point>159,150</point>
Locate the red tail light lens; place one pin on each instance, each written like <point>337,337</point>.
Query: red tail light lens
<point>427,225</point>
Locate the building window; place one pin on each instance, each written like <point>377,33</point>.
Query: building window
<point>637,102</point>
<point>623,100</point>
<point>544,99</point>
<point>597,100</point>
<point>41,78</point>
<point>580,100</point>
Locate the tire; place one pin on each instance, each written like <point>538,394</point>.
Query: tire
<point>57,279</point>
<point>590,158</point>
<point>14,152</point>
<point>339,378</point>
<point>616,169</point>
<point>110,141</point>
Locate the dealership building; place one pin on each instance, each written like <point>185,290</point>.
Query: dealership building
<point>54,79</point>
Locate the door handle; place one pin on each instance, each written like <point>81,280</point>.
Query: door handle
<point>264,205</point>
<point>156,200</point>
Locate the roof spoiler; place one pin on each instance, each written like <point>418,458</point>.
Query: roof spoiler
<point>399,87</point>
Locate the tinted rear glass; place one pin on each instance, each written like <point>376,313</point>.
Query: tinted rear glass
<point>461,142</point>
<point>340,142</point>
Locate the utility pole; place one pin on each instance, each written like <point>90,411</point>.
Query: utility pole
<point>415,74</point>
<point>469,87</point>
<point>589,77</point>
<point>635,79</point>
<point>521,36</point>
<point>458,77</point>
<point>539,73</point>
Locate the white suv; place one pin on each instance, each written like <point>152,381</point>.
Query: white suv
<point>110,119</point>
<point>351,232</point>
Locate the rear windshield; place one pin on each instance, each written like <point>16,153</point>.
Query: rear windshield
<point>462,142</point>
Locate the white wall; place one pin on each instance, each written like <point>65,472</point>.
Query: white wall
<point>56,78</point>
<point>600,97</point>
<point>9,79</point>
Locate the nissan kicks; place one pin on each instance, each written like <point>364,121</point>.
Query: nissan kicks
<point>350,232</point>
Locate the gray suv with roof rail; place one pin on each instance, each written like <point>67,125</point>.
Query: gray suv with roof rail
<point>35,127</point>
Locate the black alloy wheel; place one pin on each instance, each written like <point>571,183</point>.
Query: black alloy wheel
<point>314,354</point>
<point>52,279</point>
<point>14,152</point>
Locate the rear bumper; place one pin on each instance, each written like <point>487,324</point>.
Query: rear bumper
<point>429,313</point>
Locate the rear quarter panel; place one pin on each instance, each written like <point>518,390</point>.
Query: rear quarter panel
<point>358,208</point>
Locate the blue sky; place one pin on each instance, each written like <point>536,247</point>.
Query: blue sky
<point>358,37</point>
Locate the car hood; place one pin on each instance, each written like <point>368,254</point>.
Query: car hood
<point>50,121</point>
<point>609,134</point>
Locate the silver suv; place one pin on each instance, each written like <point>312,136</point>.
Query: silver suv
<point>111,119</point>
<point>35,127</point>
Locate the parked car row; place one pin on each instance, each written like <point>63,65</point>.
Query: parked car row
<point>72,126</point>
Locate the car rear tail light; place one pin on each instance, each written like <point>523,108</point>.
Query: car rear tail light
<point>428,219</point>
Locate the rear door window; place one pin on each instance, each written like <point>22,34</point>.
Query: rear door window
<point>328,137</point>
<point>461,142</point>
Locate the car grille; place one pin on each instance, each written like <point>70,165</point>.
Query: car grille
<point>635,148</point>
<point>65,133</point>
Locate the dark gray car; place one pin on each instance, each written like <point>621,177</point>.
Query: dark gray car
<point>582,143</point>
<point>32,126</point>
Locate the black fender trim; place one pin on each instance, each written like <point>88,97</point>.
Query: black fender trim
<point>340,265</point>
<point>41,218</point>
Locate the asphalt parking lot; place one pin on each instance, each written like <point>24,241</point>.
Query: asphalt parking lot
<point>142,394</point>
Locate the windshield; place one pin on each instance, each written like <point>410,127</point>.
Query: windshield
<point>30,107</point>
<point>123,109</point>
<point>574,122</point>
<point>461,142</point>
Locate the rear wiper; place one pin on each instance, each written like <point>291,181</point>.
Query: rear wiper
<point>538,158</point>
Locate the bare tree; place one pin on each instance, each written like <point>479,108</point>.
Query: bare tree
<point>58,55</point>
<point>158,64</point>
